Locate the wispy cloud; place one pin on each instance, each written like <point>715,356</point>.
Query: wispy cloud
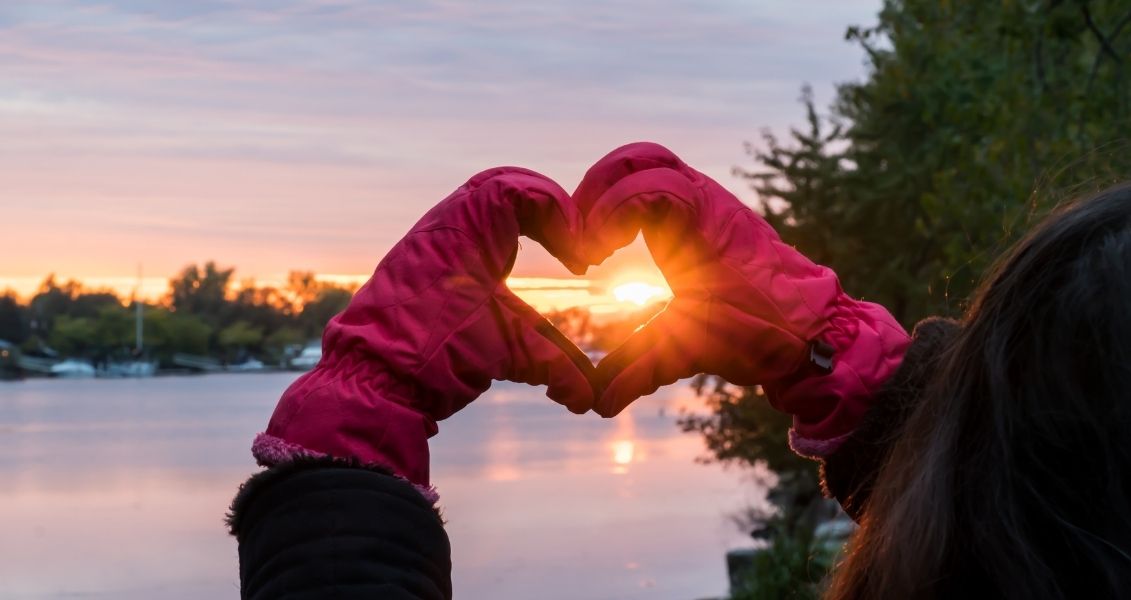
<point>182,130</point>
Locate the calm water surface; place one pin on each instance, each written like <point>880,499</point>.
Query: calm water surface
<point>117,489</point>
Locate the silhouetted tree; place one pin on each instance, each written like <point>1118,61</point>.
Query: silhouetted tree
<point>329,302</point>
<point>201,292</point>
<point>14,320</point>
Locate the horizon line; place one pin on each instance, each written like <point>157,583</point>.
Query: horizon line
<point>545,293</point>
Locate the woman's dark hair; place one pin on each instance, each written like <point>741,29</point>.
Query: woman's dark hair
<point>1013,477</point>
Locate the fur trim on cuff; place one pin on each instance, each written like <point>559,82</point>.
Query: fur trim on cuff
<point>812,448</point>
<point>270,451</point>
<point>428,491</point>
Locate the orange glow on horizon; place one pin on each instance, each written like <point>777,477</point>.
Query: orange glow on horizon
<point>637,292</point>
<point>624,291</point>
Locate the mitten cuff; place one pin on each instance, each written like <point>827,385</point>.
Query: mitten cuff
<point>828,396</point>
<point>328,412</point>
<point>849,473</point>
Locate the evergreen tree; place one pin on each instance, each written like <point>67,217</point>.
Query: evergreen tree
<point>974,120</point>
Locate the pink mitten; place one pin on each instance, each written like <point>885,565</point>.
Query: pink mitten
<point>430,330</point>
<point>747,307</point>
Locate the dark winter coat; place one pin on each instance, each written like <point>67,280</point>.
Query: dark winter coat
<point>328,528</point>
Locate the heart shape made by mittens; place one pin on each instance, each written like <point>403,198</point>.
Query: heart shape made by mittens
<point>436,323</point>
<point>729,316</point>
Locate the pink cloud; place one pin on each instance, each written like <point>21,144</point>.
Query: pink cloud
<point>311,134</point>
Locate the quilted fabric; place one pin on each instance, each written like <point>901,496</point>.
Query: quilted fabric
<point>326,528</point>
<point>747,306</point>
<point>431,329</point>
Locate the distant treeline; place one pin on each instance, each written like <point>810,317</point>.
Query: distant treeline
<point>202,314</point>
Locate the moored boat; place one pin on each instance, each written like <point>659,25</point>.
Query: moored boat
<point>72,368</point>
<point>307,359</point>
<point>129,368</point>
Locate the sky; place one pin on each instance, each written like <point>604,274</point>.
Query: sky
<point>275,135</point>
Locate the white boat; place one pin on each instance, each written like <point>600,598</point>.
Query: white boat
<point>129,368</point>
<point>73,369</point>
<point>250,364</point>
<point>306,359</point>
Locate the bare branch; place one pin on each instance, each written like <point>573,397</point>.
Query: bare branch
<point>1105,44</point>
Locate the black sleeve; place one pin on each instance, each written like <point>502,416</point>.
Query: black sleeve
<point>849,473</point>
<point>328,528</point>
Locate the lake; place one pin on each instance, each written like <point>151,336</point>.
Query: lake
<point>118,488</point>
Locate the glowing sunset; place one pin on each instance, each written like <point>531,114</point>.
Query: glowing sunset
<point>638,292</point>
<point>183,132</point>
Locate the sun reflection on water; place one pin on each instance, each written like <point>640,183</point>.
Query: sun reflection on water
<point>623,443</point>
<point>623,451</point>
<point>503,450</point>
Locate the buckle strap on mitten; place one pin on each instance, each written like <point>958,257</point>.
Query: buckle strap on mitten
<point>821,355</point>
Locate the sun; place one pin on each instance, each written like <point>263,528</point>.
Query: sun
<point>637,292</point>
